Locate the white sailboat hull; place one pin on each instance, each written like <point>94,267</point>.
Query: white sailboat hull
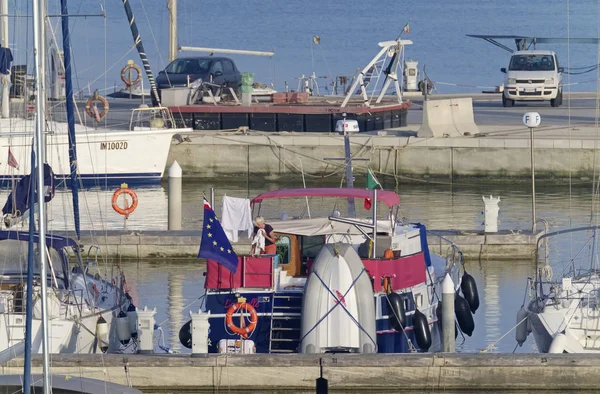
<point>572,314</point>
<point>104,155</point>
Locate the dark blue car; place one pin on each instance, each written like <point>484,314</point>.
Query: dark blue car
<point>222,70</point>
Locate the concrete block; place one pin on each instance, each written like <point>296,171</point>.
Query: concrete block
<point>561,144</point>
<point>128,239</point>
<point>543,143</point>
<point>128,251</point>
<point>516,143</point>
<point>491,143</point>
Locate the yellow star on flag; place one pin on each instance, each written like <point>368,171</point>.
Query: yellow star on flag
<point>208,226</point>
<point>209,235</point>
<point>215,243</point>
<point>222,248</point>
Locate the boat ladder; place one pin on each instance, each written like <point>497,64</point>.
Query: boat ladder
<point>285,323</point>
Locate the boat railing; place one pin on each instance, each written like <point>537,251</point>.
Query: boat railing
<point>162,115</point>
<point>448,250</point>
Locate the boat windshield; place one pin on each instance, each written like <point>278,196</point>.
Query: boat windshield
<point>188,66</point>
<point>14,259</point>
<point>531,63</point>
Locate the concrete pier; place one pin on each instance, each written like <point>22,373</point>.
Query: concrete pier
<point>504,245</point>
<point>497,152</point>
<point>417,372</point>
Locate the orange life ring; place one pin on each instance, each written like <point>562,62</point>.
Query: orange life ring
<point>88,107</point>
<point>127,81</point>
<point>243,331</point>
<point>128,208</point>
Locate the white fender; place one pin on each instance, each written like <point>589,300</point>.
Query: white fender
<point>558,343</point>
<point>102,334</point>
<point>521,330</point>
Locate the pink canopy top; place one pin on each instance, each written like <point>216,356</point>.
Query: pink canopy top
<point>390,198</point>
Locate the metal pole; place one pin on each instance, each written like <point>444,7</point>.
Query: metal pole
<point>230,51</point>
<point>374,223</point>
<point>39,18</point>
<point>172,6</point>
<point>533,227</point>
<point>212,197</point>
<point>349,177</point>
<point>4,43</point>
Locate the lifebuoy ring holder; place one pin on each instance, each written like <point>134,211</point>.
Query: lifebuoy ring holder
<point>128,210</point>
<point>244,332</point>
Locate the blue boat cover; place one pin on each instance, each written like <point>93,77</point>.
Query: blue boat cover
<point>17,202</point>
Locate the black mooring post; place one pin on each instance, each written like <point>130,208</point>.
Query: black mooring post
<point>321,381</point>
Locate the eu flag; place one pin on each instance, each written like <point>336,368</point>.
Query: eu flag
<point>214,244</point>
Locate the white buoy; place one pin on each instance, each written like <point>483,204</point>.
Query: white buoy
<point>521,330</point>
<point>145,319</point>
<point>102,334</point>
<point>448,328</point>
<point>123,331</point>
<point>491,214</point>
<point>558,343</point>
<point>175,175</point>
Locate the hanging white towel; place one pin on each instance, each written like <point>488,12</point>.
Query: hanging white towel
<point>236,216</point>
<point>258,242</point>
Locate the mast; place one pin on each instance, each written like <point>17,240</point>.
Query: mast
<point>39,53</point>
<point>4,44</point>
<point>29,295</point>
<point>137,40</point>
<point>172,6</point>
<point>70,114</point>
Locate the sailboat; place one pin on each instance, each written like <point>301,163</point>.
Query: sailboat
<point>69,308</point>
<point>107,155</point>
<point>45,306</point>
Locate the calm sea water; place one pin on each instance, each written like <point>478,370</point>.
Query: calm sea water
<point>349,33</point>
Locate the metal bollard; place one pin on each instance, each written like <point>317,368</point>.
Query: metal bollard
<point>145,329</point>
<point>448,314</point>
<point>175,175</point>
<point>199,330</point>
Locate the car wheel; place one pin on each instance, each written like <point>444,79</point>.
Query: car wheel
<point>556,102</point>
<point>507,102</point>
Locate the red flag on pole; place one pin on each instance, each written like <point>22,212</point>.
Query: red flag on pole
<point>12,161</point>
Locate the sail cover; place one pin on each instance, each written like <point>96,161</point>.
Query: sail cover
<point>17,203</point>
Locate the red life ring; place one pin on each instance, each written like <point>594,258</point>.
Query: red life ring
<point>89,110</point>
<point>128,208</point>
<point>127,80</point>
<point>243,331</point>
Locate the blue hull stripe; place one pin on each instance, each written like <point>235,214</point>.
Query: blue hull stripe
<point>101,179</point>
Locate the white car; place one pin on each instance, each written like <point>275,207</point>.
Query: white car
<point>533,76</point>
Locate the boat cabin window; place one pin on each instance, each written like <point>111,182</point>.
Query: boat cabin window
<point>14,260</point>
<point>311,246</point>
<point>532,63</point>
<point>283,249</point>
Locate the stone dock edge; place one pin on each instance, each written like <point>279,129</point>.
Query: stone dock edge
<point>263,372</point>
<point>184,244</point>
